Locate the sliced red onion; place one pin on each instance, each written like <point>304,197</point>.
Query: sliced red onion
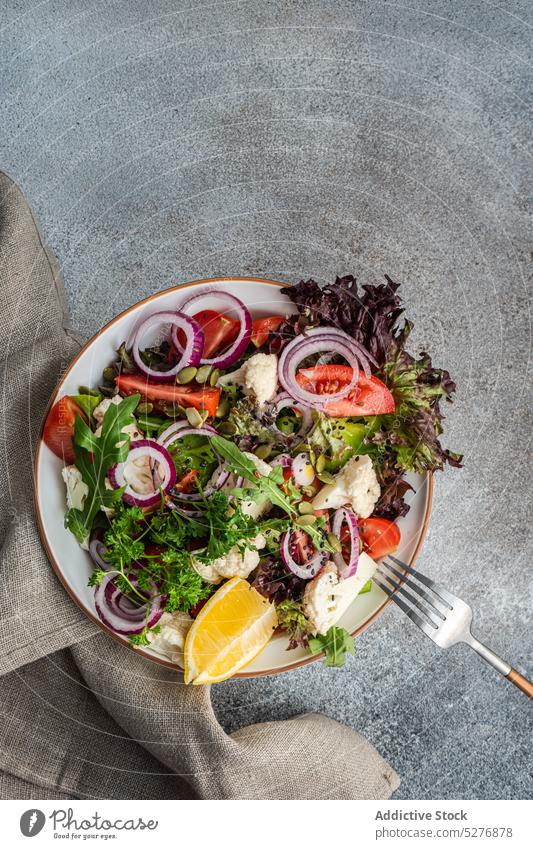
<point>97,549</point>
<point>180,429</point>
<point>313,342</point>
<point>184,512</point>
<point>283,460</point>
<point>342,515</point>
<point>166,471</point>
<point>221,474</point>
<point>302,470</point>
<point>191,354</point>
<point>283,400</point>
<point>307,571</point>
<point>120,614</point>
<point>227,358</point>
<point>219,478</point>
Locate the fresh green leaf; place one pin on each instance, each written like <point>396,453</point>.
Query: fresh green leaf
<point>336,644</point>
<point>88,403</point>
<point>243,466</point>
<point>339,439</point>
<point>94,457</point>
<point>96,578</point>
<point>293,620</point>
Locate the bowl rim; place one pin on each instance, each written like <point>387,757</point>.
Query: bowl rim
<point>296,664</point>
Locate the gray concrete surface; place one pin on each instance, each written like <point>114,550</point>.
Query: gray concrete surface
<point>167,140</point>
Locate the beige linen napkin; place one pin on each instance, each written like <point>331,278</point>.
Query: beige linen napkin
<point>95,720</point>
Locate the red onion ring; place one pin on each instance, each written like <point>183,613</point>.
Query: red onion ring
<point>311,568</point>
<point>314,341</point>
<point>238,347</point>
<point>178,429</point>
<point>302,347</point>
<point>120,614</point>
<point>283,400</point>
<point>158,454</point>
<point>97,549</point>
<point>342,515</point>
<point>191,354</point>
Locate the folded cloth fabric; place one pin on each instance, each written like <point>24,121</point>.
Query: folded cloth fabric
<point>84,717</point>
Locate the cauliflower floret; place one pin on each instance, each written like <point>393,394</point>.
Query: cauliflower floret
<point>77,489</point>
<point>171,637</point>
<point>255,509</point>
<point>234,564</point>
<point>258,377</point>
<point>326,598</point>
<point>356,484</point>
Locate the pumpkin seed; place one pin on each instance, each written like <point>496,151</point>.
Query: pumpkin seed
<point>228,428</point>
<point>325,477</point>
<point>215,374</point>
<point>144,407</point>
<point>307,519</point>
<point>263,451</point>
<point>203,374</point>
<point>334,542</point>
<point>309,490</point>
<point>85,390</point>
<point>223,408</point>
<point>320,464</point>
<point>186,374</point>
<point>193,417</point>
<point>305,507</point>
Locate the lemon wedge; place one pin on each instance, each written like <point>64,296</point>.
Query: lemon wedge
<point>231,629</point>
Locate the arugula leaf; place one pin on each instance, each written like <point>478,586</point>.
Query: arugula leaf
<point>243,466</point>
<point>336,644</point>
<point>94,457</point>
<point>88,403</point>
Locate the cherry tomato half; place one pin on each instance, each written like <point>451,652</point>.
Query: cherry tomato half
<point>59,428</point>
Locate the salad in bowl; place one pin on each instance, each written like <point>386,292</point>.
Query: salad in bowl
<point>234,478</point>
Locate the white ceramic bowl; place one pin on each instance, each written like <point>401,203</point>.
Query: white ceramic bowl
<point>73,565</point>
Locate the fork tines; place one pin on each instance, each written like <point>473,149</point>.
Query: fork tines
<point>429,610</point>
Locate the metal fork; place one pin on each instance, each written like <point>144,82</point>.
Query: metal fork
<point>440,614</point>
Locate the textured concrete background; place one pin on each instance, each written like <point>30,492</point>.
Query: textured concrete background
<point>166,140</point>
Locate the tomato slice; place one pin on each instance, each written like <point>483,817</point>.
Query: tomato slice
<point>379,536</point>
<point>370,398</point>
<point>202,398</point>
<point>304,548</point>
<point>219,331</point>
<point>263,327</point>
<point>59,428</point>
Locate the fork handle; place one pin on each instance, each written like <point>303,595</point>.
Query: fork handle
<point>521,682</point>
<point>502,666</point>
